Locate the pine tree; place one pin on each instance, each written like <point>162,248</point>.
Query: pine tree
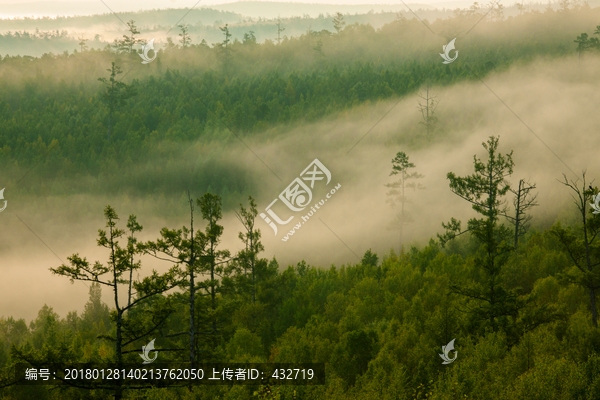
<point>338,22</point>
<point>583,43</point>
<point>82,44</point>
<point>133,227</point>
<point>116,92</point>
<point>183,247</point>
<point>247,257</point>
<point>485,190</point>
<point>249,38</point>
<point>185,40</point>
<point>112,274</point>
<point>583,247</point>
<point>400,166</point>
<point>428,111</point>
<point>523,202</point>
<point>214,261</point>
<point>126,44</point>
<point>279,30</point>
<point>225,48</point>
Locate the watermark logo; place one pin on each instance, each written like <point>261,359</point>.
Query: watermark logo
<point>2,198</point>
<point>595,205</point>
<point>446,54</point>
<point>146,352</point>
<point>145,49</point>
<point>446,349</point>
<point>298,195</point>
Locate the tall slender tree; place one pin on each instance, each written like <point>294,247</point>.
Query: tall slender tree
<point>428,111</point>
<point>215,260</point>
<point>82,44</point>
<point>116,92</point>
<point>126,44</point>
<point>184,248</point>
<point>523,202</point>
<point>401,166</point>
<point>583,244</point>
<point>185,40</point>
<point>225,48</point>
<point>112,275</point>
<point>485,190</point>
<point>247,257</point>
<point>338,22</point>
<point>133,227</point>
<point>279,30</point>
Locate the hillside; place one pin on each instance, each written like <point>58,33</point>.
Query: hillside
<point>443,241</point>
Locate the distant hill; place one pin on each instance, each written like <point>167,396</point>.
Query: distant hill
<point>254,9</point>
<point>36,36</point>
<point>268,9</point>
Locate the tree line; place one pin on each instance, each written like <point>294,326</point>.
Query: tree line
<point>508,297</point>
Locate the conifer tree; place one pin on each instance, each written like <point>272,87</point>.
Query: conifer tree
<point>428,111</point>
<point>214,262</point>
<point>338,22</point>
<point>485,190</point>
<point>116,92</point>
<point>279,30</point>
<point>225,48</point>
<point>401,166</point>
<point>523,202</point>
<point>583,244</point>
<point>185,40</point>
<point>112,275</point>
<point>247,257</point>
<point>249,38</point>
<point>82,44</point>
<point>126,44</point>
<point>183,247</point>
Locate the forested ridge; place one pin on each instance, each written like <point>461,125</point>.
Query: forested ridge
<point>377,324</point>
<point>520,302</point>
<point>194,92</point>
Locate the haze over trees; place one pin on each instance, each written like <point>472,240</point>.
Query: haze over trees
<point>240,87</point>
<point>396,195</point>
<point>372,322</point>
<point>519,300</point>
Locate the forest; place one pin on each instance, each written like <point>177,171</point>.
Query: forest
<point>517,297</point>
<point>52,110</point>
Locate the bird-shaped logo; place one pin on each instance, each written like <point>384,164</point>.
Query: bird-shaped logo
<point>446,54</point>
<point>147,349</point>
<point>446,349</point>
<point>2,198</point>
<point>145,49</point>
<point>595,205</point>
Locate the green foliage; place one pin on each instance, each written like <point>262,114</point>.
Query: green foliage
<point>186,96</point>
<point>582,244</point>
<point>126,44</point>
<point>584,42</point>
<point>396,195</point>
<point>95,319</point>
<point>185,37</point>
<point>352,354</point>
<point>245,346</point>
<point>370,259</point>
<point>378,326</point>
<point>484,190</point>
